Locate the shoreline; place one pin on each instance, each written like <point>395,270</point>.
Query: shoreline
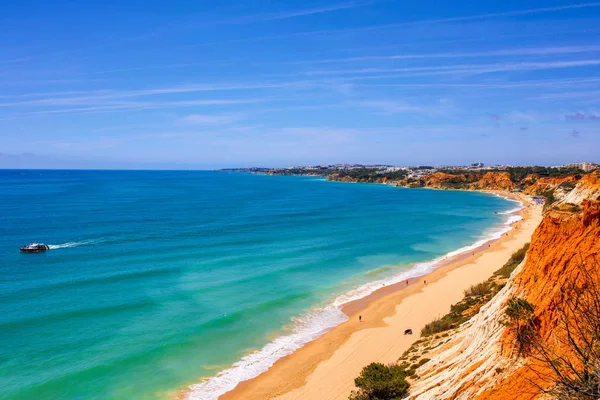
<point>296,375</point>
<point>347,307</point>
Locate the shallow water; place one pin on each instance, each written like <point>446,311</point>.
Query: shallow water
<point>156,279</point>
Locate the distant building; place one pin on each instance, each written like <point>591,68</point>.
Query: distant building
<point>393,169</point>
<point>477,165</point>
<point>584,166</point>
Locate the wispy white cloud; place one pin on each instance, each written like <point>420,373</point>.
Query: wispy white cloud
<point>492,53</point>
<point>263,17</point>
<point>151,67</point>
<point>99,95</point>
<point>568,95</point>
<point>580,116</point>
<point>134,106</point>
<point>408,23</point>
<point>158,30</point>
<point>15,60</point>
<point>489,85</point>
<point>442,106</point>
<point>391,106</point>
<point>204,119</point>
<point>459,69</point>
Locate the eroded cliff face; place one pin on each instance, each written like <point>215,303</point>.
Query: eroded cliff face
<point>481,360</point>
<point>338,178</point>
<point>488,181</point>
<point>560,246</point>
<point>441,180</point>
<point>542,184</point>
<point>472,361</point>
<point>494,181</point>
<point>587,188</point>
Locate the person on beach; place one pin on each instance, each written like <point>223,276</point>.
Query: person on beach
<point>360,318</point>
<point>425,282</point>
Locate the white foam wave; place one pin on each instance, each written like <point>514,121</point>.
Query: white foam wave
<point>73,244</point>
<point>514,210</point>
<point>308,327</point>
<point>319,320</point>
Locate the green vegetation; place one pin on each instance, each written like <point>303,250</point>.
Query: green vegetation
<point>480,289</point>
<point>381,382</point>
<point>369,175</point>
<point>512,262</point>
<point>439,325</point>
<point>519,313</point>
<point>475,297</point>
<point>548,196</point>
<point>568,186</point>
<point>519,173</point>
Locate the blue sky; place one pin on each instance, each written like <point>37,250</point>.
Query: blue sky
<point>269,83</point>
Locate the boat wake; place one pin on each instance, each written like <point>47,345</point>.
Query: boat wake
<point>74,244</point>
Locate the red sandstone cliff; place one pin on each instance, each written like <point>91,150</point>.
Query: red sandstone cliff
<point>543,184</point>
<point>481,361</point>
<point>494,181</point>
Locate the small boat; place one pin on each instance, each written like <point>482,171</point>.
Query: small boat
<point>35,248</point>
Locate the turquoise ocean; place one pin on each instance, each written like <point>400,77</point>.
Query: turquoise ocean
<point>158,279</point>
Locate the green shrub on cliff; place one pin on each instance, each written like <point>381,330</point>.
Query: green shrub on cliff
<point>513,262</point>
<point>481,289</point>
<point>380,382</point>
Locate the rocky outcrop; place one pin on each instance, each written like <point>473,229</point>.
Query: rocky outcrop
<point>346,178</point>
<point>494,181</point>
<point>442,180</point>
<point>587,187</point>
<point>338,178</point>
<point>529,180</point>
<point>543,184</point>
<point>481,361</point>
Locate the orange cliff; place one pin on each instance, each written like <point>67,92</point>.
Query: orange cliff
<point>561,244</point>
<point>489,181</point>
<point>481,360</point>
<point>494,181</point>
<point>539,185</point>
<point>587,187</point>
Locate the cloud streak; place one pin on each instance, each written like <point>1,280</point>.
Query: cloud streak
<point>493,53</point>
<point>203,119</point>
<point>407,23</point>
<point>293,14</point>
<point>461,69</point>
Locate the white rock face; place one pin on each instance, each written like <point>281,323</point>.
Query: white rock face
<point>581,192</point>
<point>473,363</point>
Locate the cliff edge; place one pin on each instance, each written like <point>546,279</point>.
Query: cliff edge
<point>482,360</point>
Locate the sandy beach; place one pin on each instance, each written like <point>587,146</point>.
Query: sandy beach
<point>326,367</point>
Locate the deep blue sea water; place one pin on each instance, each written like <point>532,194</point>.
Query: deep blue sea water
<point>158,278</point>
